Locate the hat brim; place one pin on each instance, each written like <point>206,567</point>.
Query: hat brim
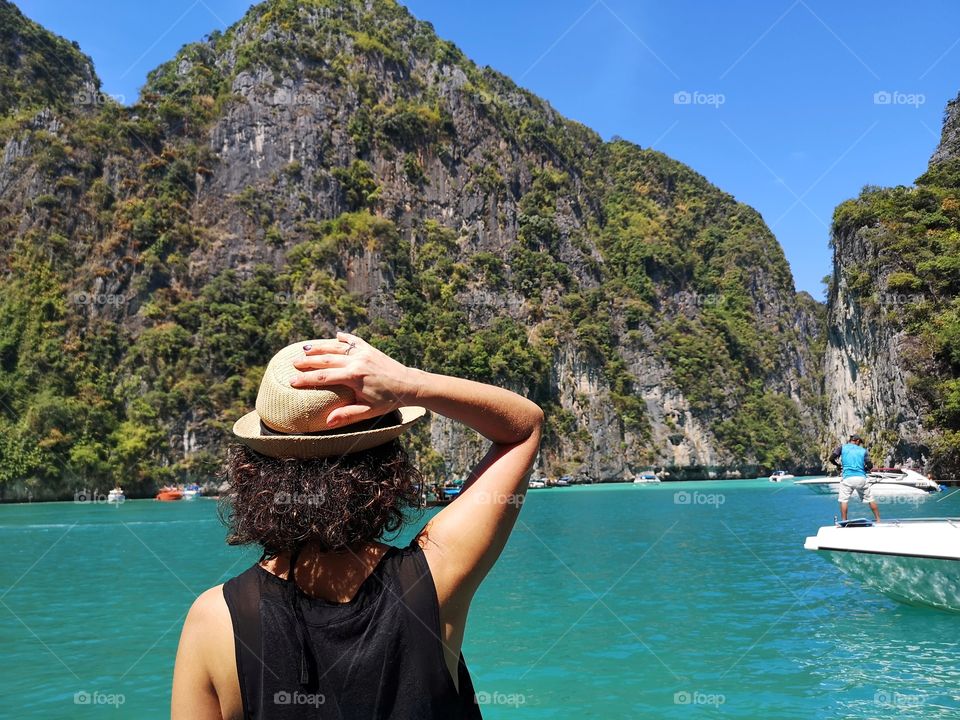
<point>248,430</point>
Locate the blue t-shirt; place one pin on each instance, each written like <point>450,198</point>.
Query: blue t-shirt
<point>853,460</point>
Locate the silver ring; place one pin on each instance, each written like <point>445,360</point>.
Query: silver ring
<point>350,347</point>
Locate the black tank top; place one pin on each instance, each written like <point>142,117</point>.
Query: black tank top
<point>377,656</point>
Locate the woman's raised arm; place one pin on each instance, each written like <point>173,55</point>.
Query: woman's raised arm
<point>464,540</point>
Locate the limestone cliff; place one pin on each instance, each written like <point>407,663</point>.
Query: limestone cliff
<point>326,165</point>
<point>891,365</point>
<point>949,146</point>
<point>865,369</point>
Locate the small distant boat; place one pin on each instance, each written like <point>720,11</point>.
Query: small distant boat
<point>116,496</point>
<point>537,484</point>
<point>191,492</point>
<point>781,475</point>
<point>915,561</point>
<point>451,490</point>
<point>168,494</point>
<point>646,478</point>
<point>885,483</point>
<point>564,481</point>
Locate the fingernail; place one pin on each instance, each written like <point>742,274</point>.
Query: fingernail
<point>307,347</point>
<point>294,381</point>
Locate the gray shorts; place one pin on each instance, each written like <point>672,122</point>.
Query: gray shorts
<point>858,486</point>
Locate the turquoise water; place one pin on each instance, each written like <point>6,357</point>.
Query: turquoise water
<point>609,602</point>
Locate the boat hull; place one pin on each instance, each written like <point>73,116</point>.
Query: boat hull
<point>916,562</point>
<point>923,582</point>
<point>881,491</point>
<point>884,490</point>
<point>821,486</point>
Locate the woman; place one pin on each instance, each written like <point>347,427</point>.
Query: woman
<point>331,622</point>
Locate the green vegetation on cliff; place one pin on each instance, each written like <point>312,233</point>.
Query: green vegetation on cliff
<point>39,69</point>
<point>452,218</point>
<point>670,236</point>
<point>910,280</point>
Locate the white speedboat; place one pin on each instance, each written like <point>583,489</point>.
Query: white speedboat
<point>821,485</point>
<point>914,561</point>
<point>781,475</point>
<point>191,492</point>
<point>646,478</point>
<point>886,483</point>
<point>116,496</point>
<point>537,484</point>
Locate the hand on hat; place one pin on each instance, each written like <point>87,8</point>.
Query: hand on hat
<point>379,383</point>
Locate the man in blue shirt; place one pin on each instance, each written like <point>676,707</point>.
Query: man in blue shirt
<point>851,458</point>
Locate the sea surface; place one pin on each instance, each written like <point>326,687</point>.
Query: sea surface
<point>683,600</point>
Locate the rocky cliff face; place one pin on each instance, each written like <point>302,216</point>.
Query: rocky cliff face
<point>891,368</point>
<point>38,68</point>
<point>331,165</point>
<point>949,145</point>
<point>866,380</point>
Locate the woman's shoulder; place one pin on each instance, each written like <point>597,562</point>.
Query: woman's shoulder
<point>207,624</point>
<point>205,659</point>
<point>208,605</point>
<point>208,599</point>
<point>212,619</point>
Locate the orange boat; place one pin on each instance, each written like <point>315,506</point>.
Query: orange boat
<point>167,494</point>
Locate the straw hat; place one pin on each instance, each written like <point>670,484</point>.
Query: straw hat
<point>291,422</point>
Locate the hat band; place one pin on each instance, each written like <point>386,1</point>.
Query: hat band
<point>390,419</point>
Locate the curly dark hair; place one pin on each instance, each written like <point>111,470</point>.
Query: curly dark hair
<point>333,503</point>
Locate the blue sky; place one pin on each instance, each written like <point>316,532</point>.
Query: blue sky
<point>783,109</point>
